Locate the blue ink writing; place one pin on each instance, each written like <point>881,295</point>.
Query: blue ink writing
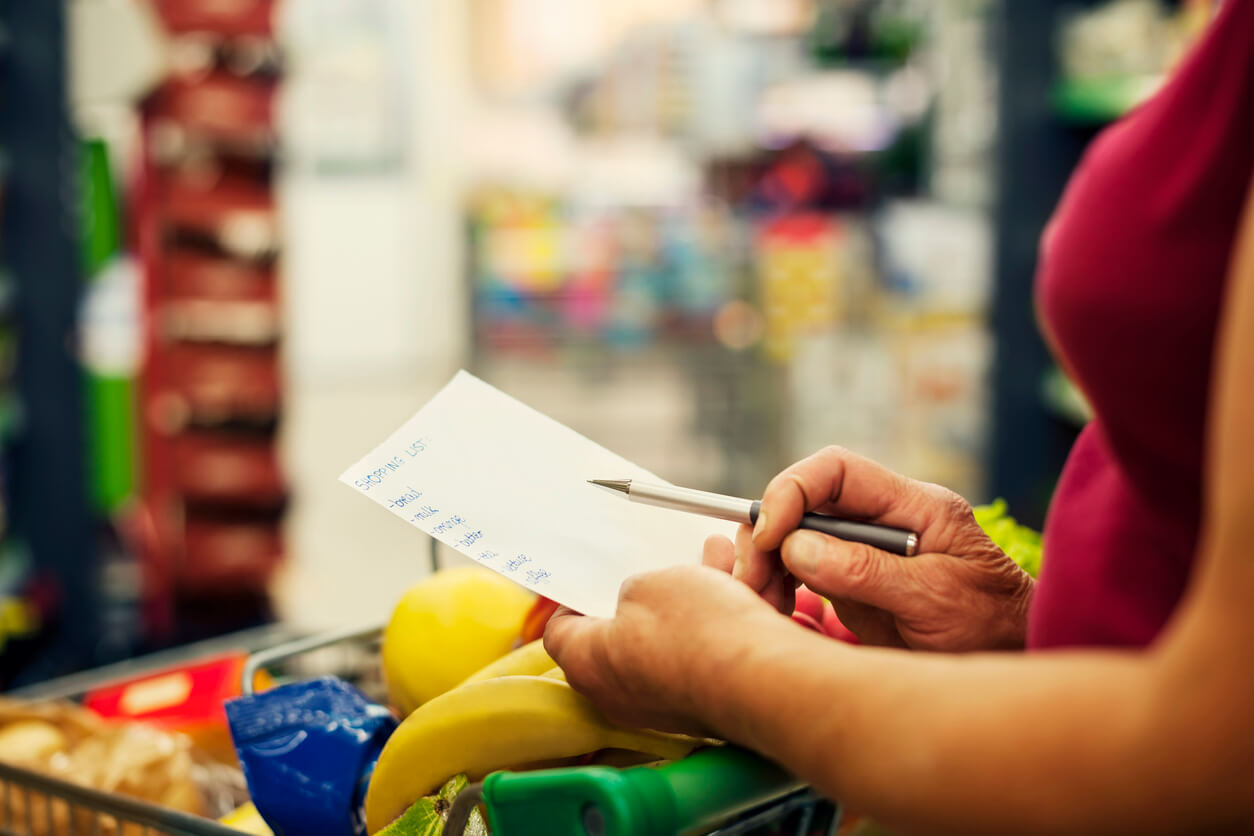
<point>449,524</point>
<point>410,496</point>
<point>417,447</point>
<point>536,577</point>
<point>376,477</point>
<point>486,556</point>
<point>514,563</point>
<point>470,538</point>
<point>425,512</point>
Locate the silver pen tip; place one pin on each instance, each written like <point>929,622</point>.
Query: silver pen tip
<point>620,485</point>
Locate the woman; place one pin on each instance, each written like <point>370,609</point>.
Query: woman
<point>1140,718</point>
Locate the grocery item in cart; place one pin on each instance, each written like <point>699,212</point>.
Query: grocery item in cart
<point>429,816</point>
<point>529,660</point>
<point>446,627</point>
<point>68,742</point>
<point>187,699</point>
<point>508,722</point>
<point>307,750</point>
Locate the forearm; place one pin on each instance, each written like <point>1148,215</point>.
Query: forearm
<point>980,743</point>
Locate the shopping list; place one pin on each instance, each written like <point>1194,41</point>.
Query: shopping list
<point>508,487</point>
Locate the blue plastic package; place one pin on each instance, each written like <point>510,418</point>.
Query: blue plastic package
<point>307,750</point>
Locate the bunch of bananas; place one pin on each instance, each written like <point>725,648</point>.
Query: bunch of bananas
<point>473,706</point>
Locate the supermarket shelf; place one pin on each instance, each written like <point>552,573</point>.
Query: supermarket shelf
<point>48,506</point>
<point>1100,101</point>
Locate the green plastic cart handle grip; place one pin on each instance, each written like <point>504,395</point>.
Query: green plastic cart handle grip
<point>693,794</point>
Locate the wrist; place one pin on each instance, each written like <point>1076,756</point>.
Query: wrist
<point>731,678</point>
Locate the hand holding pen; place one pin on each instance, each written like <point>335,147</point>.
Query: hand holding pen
<point>746,511</point>
<point>960,592</point>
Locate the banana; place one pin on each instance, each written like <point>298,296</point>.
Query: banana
<point>555,673</point>
<point>246,819</point>
<point>494,724</point>
<point>528,660</point>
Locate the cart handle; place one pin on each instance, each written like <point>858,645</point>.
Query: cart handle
<point>287,650</point>
<point>692,794</point>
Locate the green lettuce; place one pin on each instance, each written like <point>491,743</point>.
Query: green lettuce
<point>1021,543</point>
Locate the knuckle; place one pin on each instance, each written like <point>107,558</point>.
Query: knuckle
<point>777,483</point>
<point>859,567</point>
<point>833,451</point>
<point>956,506</point>
<point>631,589</point>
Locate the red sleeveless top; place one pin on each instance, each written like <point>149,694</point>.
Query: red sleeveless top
<point>1132,276</point>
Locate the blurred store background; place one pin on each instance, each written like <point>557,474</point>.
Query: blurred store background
<point>243,240</point>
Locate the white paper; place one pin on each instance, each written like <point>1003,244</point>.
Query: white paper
<point>507,486</point>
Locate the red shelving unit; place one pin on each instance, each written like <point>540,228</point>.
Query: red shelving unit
<point>213,491</point>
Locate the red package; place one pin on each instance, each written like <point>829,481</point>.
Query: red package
<point>218,109</point>
<point>234,323</point>
<point>197,54</point>
<point>225,17</point>
<point>229,555</point>
<point>220,383</point>
<point>208,299</point>
<point>233,213</point>
<point>195,277</point>
<point>228,468</point>
<point>187,699</point>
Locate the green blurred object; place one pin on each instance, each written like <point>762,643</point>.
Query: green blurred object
<point>110,391</point>
<point>102,233</point>
<point>694,794</point>
<point>1021,543</point>
<point>1097,101</point>
<point>1064,398</point>
<point>428,815</point>
<point>862,33</point>
<point>111,406</point>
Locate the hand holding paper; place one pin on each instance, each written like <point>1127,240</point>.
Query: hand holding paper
<point>507,486</point>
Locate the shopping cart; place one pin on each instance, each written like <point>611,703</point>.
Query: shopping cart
<point>721,791</point>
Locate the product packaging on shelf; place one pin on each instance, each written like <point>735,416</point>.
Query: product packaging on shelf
<point>211,388</point>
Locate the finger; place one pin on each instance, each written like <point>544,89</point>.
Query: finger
<point>836,481</point>
<point>718,553</point>
<point>872,626</point>
<point>568,638</point>
<point>754,567</point>
<point>837,568</point>
<point>781,592</point>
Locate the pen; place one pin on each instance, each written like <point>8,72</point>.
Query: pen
<point>735,509</point>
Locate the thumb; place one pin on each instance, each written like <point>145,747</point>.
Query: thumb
<point>566,629</point>
<point>837,568</point>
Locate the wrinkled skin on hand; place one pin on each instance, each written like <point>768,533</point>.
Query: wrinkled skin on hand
<point>677,629</point>
<point>960,593</point>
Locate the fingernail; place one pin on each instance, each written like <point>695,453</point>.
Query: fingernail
<point>738,568</point>
<point>760,525</point>
<point>802,551</point>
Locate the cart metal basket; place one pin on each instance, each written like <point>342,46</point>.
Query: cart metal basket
<point>38,805</point>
